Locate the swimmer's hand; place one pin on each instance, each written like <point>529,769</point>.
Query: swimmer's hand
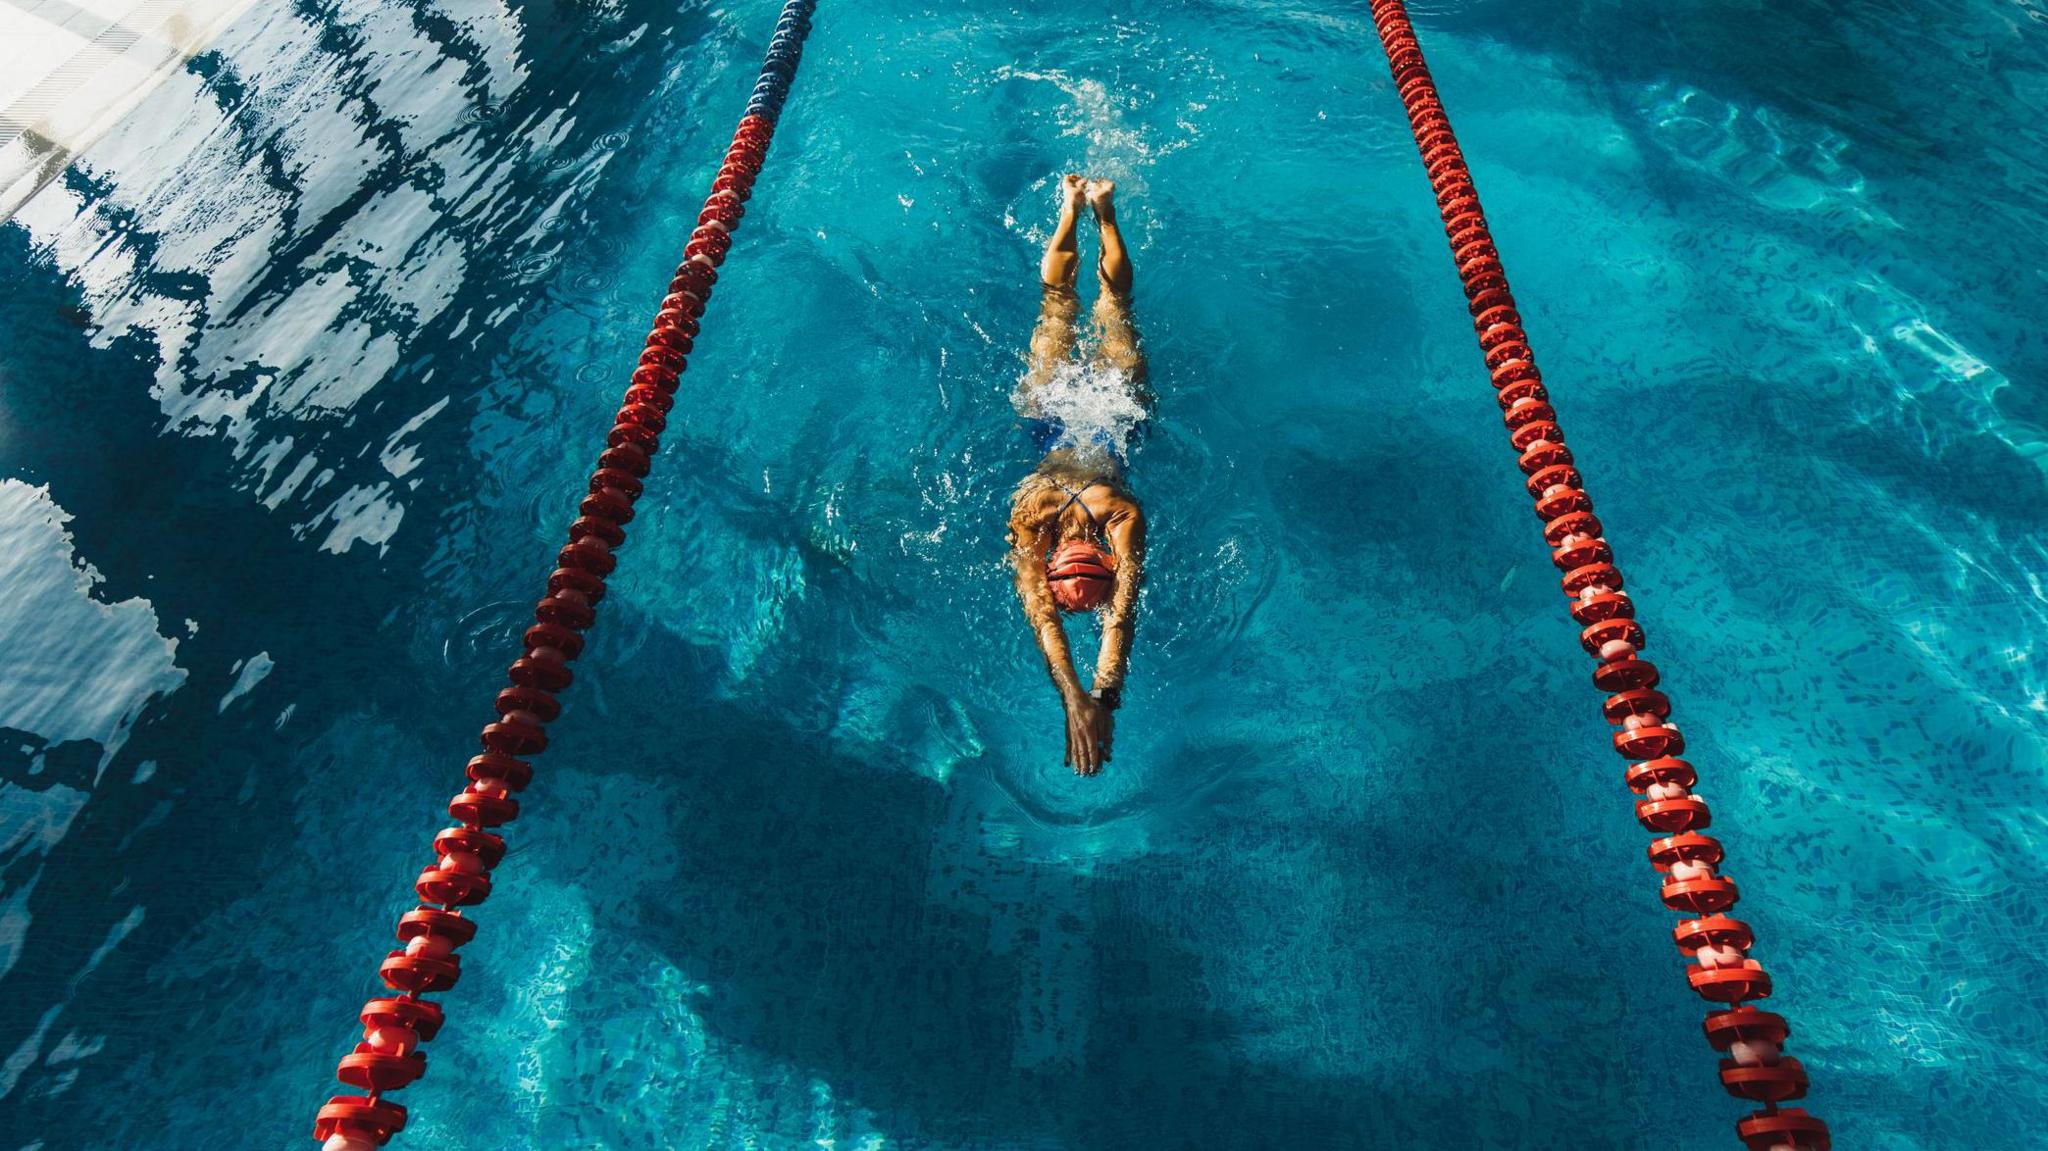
<point>1090,727</point>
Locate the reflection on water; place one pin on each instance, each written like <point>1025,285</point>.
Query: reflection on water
<point>294,225</point>
<point>301,368</point>
<point>81,672</point>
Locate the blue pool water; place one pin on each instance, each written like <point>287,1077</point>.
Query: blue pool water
<point>300,368</point>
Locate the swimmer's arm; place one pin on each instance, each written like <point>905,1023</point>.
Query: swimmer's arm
<point>1126,532</point>
<point>1028,545</point>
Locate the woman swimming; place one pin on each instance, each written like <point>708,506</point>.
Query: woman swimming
<point>1077,534</point>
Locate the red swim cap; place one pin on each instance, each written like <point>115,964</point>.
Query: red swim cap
<point>1081,574</point>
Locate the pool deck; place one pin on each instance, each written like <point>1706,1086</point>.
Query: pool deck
<point>71,69</point>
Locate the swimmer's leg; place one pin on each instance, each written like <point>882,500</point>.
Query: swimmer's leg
<point>1052,341</point>
<point>1116,332</point>
<point>1063,251</point>
<point>1114,267</point>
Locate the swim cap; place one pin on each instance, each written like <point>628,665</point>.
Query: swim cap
<point>1081,574</point>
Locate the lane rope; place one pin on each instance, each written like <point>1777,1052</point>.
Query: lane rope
<point>389,1056</point>
<point>1755,1068</point>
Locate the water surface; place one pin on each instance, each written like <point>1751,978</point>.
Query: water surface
<point>301,368</point>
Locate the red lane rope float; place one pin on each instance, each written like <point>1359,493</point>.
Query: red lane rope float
<point>1688,861</point>
<point>389,1056</point>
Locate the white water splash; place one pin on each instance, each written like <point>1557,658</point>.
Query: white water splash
<point>1095,405</point>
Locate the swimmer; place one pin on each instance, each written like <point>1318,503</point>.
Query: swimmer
<point>1077,534</point>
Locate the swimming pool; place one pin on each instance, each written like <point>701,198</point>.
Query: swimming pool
<point>302,364</point>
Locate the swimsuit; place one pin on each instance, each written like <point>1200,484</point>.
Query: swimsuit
<point>1047,432</point>
<point>1097,446</point>
<point>1074,500</point>
<point>1074,497</point>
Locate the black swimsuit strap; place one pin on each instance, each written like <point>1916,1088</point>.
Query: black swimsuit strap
<point>1074,497</point>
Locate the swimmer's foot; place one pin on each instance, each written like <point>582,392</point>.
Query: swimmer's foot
<point>1073,189</point>
<point>1102,198</point>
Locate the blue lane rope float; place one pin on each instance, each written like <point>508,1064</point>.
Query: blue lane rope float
<point>394,1028</point>
<point>1723,973</point>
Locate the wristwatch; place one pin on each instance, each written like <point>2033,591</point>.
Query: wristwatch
<point>1110,697</point>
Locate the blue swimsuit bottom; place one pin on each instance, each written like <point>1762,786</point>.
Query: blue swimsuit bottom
<point>1047,434</point>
